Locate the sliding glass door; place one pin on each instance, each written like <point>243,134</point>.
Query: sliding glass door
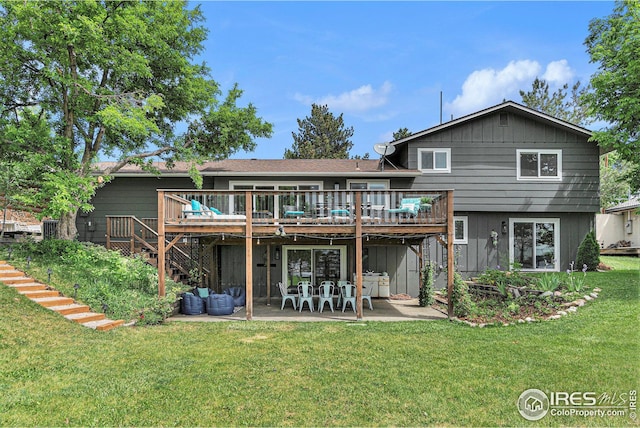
<point>314,264</point>
<point>535,243</point>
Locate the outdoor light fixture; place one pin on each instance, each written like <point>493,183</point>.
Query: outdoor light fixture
<point>280,231</point>
<point>277,253</point>
<point>75,291</point>
<point>28,260</point>
<point>10,250</point>
<point>223,236</point>
<point>49,272</point>
<point>258,241</point>
<point>504,227</point>
<point>336,185</point>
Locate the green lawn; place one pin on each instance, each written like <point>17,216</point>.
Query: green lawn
<point>55,373</point>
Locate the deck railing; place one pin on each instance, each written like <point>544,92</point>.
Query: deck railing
<point>306,207</point>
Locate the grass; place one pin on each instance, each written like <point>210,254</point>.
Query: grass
<point>54,373</point>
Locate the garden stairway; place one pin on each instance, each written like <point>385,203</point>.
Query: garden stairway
<point>52,299</point>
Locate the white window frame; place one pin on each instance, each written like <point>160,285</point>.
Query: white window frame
<point>385,183</point>
<point>539,152</point>
<point>556,241</point>
<point>465,229</point>
<point>434,170</point>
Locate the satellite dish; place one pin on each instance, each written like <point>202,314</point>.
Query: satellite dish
<point>384,149</point>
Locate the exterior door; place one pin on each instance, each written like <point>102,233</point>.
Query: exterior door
<point>314,264</point>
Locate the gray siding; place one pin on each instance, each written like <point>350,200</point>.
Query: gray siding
<point>479,253</point>
<point>135,196</point>
<point>483,167</point>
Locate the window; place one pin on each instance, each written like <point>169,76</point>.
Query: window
<point>539,164</point>
<point>375,194</point>
<point>460,229</point>
<point>434,160</point>
<point>535,243</point>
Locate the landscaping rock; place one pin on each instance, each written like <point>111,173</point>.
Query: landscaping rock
<point>562,313</point>
<point>587,298</point>
<point>546,294</point>
<point>594,295</point>
<point>580,302</point>
<point>572,309</point>
<point>557,293</point>
<point>597,290</point>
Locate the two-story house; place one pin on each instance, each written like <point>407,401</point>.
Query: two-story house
<point>506,185</point>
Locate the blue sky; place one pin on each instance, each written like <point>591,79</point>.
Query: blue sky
<point>384,64</point>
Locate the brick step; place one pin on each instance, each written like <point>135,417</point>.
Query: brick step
<point>103,325</point>
<point>85,317</point>
<point>40,293</point>
<point>28,286</point>
<point>69,309</point>
<point>53,301</point>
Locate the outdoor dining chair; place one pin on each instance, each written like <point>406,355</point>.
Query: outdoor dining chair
<point>348,292</point>
<point>366,295</point>
<point>326,295</point>
<point>305,294</point>
<point>341,283</point>
<point>286,296</point>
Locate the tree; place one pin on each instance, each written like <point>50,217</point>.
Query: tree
<point>401,133</point>
<point>614,188</point>
<point>573,110</point>
<point>321,136</point>
<point>114,79</point>
<point>614,43</point>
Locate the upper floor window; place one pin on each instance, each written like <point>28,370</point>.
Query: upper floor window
<point>539,164</point>
<point>434,160</point>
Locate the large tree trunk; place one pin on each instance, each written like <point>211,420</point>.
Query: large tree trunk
<point>67,226</point>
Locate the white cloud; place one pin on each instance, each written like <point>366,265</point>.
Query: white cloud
<point>558,73</point>
<point>487,87</point>
<point>358,100</point>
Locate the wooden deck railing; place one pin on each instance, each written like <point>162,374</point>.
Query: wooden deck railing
<point>305,207</point>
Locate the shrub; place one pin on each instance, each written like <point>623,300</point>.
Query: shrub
<point>425,296</point>
<point>460,297</point>
<point>589,252</point>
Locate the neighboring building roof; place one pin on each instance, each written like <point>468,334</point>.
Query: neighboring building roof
<point>506,106</point>
<point>274,167</point>
<point>631,204</point>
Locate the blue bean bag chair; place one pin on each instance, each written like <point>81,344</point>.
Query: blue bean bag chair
<point>219,304</point>
<point>239,295</point>
<point>192,304</point>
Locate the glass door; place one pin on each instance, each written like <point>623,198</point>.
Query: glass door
<point>314,264</point>
<point>535,243</point>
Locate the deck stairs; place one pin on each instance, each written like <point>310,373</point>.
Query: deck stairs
<point>53,300</point>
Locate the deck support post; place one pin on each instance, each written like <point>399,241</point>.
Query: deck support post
<point>358,211</point>
<point>450,253</point>
<point>161,245</point>
<point>249,255</point>
<point>268,263</point>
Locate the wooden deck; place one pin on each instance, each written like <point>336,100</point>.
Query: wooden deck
<point>243,217</point>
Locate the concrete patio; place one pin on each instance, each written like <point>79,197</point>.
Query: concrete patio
<point>383,310</point>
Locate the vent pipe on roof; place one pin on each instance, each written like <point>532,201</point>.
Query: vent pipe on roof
<point>440,107</point>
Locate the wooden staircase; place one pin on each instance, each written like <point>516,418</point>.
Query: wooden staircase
<point>52,299</point>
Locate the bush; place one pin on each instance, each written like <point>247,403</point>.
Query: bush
<point>589,252</point>
<point>460,297</point>
<point>425,296</point>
